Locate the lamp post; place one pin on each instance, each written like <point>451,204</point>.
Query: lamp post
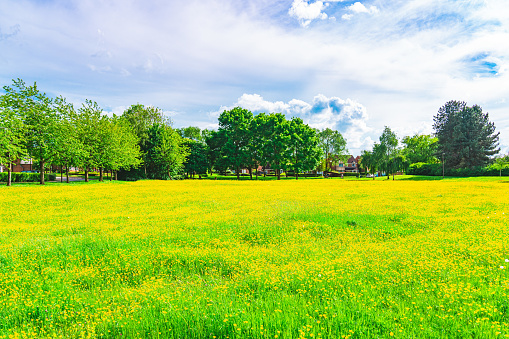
<point>443,166</point>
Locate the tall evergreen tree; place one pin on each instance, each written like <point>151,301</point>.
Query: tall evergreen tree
<point>466,137</point>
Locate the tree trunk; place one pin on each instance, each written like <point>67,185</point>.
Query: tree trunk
<point>111,175</point>
<point>67,172</point>
<point>61,173</point>
<point>392,176</point>
<point>41,177</point>
<point>251,173</point>
<point>296,175</point>
<point>278,171</point>
<point>238,173</point>
<point>9,174</point>
<point>86,174</point>
<point>101,173</point>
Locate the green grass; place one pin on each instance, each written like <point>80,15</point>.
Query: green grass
<point>329,258</point>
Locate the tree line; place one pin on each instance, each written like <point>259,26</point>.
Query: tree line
<point>464,139</point>
<point>52,131</point>
<point>141,142</point>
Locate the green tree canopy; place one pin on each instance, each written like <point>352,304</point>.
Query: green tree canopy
<point>466,137</point>
<point>12,136</point>
<point>386,151</point>
<point>276,137</point>
<point>196,162</point>
<point>234,125</point>
<point>166,152</point>
<point>420,148</point>
<point>500,163</point>
<point>191,132</point>
<point>303,152</point>
<point>333,146</point>
<point>370,162</point>
<point>69,147</point>
<point>40,121</point>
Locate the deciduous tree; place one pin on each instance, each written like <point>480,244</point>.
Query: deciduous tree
<point>40,121</point>
<point>276,139</point>
<point>12,138</point>
<point>234,125</point>
<point>333,146</point>
<point>304,152</point>
<point>420,148</point>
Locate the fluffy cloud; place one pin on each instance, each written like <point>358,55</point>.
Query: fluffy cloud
<point>306,12</point>
<point>402,62</point>
<point>357,8</point>
<point>360,8</point>
<point>347,116</point>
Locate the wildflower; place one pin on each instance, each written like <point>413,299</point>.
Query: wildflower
<point>507,260</point>
<point>502,267</point>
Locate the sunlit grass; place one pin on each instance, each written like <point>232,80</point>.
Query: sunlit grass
<point>326,258</point>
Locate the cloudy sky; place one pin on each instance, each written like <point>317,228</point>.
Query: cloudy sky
<point>354,66</point>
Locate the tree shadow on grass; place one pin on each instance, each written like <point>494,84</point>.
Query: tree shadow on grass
<point>421,178</point>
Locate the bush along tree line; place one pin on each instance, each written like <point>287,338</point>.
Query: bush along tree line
<point>464,143</point>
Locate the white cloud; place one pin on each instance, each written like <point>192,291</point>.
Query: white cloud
<point>402,59</point>
<point>306,12</point>
<point>358,8</point>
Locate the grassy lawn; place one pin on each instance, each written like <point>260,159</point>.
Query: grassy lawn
<point>307,258</point>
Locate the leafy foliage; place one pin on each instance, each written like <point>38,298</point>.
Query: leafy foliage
<point>333,146</point>
<point>166,152</point>
<point>420,148</point>
<point>196,162</point>
<point>466,137</point>
<point>304,151</point>
<point>234,125</point>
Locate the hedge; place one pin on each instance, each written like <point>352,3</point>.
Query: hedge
<point>26,177</point>
<point>436,170</point>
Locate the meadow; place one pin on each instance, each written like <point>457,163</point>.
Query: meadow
<point>323,258</point>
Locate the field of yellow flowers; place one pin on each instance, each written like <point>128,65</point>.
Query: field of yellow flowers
<point>322,258</point>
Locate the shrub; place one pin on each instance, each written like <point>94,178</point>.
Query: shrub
<point>421,168</point>
<point>26,177</point>
<point>351,174</point>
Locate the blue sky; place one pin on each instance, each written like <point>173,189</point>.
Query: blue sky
<point>355,66</point>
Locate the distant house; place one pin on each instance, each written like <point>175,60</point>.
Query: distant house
<point>339,167</point>
<point>19,166</point>
<point>352,164</point>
